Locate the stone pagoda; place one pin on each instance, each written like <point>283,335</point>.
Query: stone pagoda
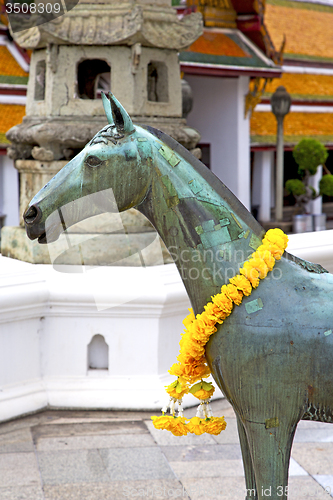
<point>130,48</point>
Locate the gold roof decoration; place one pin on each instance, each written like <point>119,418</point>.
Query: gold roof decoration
<point>216,13</point>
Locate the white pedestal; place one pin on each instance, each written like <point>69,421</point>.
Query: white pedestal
<point>49,318</point>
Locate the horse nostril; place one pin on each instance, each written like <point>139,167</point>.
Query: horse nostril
<point>32,215</point>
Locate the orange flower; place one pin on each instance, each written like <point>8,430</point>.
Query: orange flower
<point>233,293</point>
<point>191,366</point>
<point>260,265</point>
<point>214,312</point>
<point>266,255</point>
<point>176,425</point>
<point>242,283</point>
<point>189,319</point>
<point>177,389</point>
<point>250,273</point>
<point>275,250</point>
<point>162,422</point>
<point>223,302</point>
<point>196,426</point>
<point>191,348</point>
<point>202,394</point>
<point>276,237</point>
<point>215,425</point>
<point>202,390</point>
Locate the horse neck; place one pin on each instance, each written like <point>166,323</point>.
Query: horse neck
<point>207,230</point>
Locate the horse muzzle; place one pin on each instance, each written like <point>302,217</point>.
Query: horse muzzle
<point>36,228</point>
<point>32,216</point>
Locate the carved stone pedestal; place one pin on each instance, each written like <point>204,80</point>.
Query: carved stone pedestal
<point>130,48</point>
<point>126,239</point>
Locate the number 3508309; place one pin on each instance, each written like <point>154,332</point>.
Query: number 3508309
<point>33,8</point>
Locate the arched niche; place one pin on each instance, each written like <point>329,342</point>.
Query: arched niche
<point>93,76</point>
<point>39,94</point>
<point>157,82</point>
<point>98,353</point>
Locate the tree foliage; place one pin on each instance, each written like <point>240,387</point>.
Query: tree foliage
<point>326,185</point>
<point>295,187</point>
<point>309,154</point>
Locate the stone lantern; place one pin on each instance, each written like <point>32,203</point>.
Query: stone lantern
<point>280,102</point>
<point>130,48</point>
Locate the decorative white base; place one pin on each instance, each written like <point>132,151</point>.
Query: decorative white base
<point>315,247</point>
<point>48,319</point>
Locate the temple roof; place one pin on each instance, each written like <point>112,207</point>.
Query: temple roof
<point>10,70</point>
<point>296,126</point>
<point>305,88</point>
<point>222,51</point>
<point>10,115</point>
<point>13,84</point>
<point>307,73</point>
<point>307,26</point>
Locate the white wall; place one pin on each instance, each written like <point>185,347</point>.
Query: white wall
<point>48,319</point>
<point>9,191</point>
<point>218,114</point>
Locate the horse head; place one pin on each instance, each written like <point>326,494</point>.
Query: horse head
<point>110,174</point>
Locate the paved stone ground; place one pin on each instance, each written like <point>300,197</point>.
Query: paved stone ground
<point>100,455</point>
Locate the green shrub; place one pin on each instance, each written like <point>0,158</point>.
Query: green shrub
<point>309,154</point>
<point>295,187</point>
<point>326,185</point>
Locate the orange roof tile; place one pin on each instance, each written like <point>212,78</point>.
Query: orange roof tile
<point>308,29</point>
<point>3,16</point>
<point>302,85</point>
<point>217,44</point>
<point>295,124</point>
<point>10,115</point>
<point>8,64</point>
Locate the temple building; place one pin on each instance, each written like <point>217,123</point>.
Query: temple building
<point>241,41</point>
<point>305,30</point>
<point>247,49</point>
<point>234,48</point>
<point>14,72</point>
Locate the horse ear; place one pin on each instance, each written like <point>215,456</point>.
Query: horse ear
<point>107,108</point>
<point>121,118</point>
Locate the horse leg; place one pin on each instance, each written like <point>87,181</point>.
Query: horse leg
<point>270,446</point>
<point>251,493</point>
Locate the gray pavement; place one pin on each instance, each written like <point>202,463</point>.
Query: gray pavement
<point>104,455</point>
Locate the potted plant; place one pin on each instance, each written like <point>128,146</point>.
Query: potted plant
<point>309,154</point>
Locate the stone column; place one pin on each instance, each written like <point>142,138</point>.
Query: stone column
<point>316,206</point>
<point>262,184</point>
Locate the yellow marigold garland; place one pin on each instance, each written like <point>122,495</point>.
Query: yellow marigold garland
<point>192,366</point>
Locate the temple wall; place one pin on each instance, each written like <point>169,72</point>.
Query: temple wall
<point>220,119</point>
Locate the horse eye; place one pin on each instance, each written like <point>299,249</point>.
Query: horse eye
<point>93,161</point>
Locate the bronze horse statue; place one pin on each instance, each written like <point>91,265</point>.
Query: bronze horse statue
<point>273,356</point>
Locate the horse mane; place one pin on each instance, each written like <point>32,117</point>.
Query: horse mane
<point>220,188</point>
